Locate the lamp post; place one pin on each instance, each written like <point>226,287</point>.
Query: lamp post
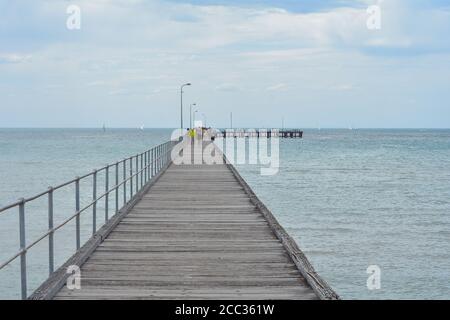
<point>190,114</point>
<point>193,123</point>
<point>231,120</point>
<point>181,91</point>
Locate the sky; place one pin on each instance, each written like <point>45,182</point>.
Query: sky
<point>313,63</point>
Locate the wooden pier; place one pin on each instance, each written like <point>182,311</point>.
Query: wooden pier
<point>260,133</point>
<point>195,232</point>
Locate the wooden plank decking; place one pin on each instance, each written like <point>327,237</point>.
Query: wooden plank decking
<point>195,234</point>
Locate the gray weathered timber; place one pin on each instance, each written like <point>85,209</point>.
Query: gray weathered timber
<point>196,232</point>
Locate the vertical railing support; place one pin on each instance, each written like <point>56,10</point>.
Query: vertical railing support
<point>137,173</point>
<point>131,177</point>
<point>153,162</point>
<point>117,187</point>
<point>161,154</point>
<point>107,193</point>
<point>162,157</point>
<point>124,182</point>
<point>146,166</point>
<point>149,164</point>
<point>94,206</point>
<point>159,158</point>
<point>169,152</point>
<point>23,254</point>
<point>165,154</point>
<point>142,170</point>
<point>77,209</point>
<point>156,161</point>
<point>51,256</point>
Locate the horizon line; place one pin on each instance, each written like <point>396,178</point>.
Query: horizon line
<point>274,127</point>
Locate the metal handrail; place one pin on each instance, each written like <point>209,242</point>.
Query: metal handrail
<point>151,162</point>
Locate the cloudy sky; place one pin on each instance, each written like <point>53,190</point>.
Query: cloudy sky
<point>313,62</point>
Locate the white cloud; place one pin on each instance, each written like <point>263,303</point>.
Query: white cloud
<point>278,87</point>
<point>343,87</point>
<point>14,58</point>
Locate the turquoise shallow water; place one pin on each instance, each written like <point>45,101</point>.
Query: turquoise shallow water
<point>350,198</point>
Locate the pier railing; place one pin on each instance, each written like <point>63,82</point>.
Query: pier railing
<point>137,171</point>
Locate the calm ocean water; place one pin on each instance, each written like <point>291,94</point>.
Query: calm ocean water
<point>350,198</point>
<point>355,198</point>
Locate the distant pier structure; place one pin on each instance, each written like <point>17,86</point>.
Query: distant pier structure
<point>257,133</point>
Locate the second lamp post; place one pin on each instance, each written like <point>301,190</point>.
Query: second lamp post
<point>184,85</point>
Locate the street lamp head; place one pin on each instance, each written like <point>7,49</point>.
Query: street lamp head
<point>186,84</point>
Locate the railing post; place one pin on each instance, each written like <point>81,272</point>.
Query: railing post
<point>51,260</point>
<point>156,159</point>
<point>168,153</point>
<point>77,209</point>
<point>23,254</point>
<point>165,153</point>
<point>161,163</point>
<point>142,170</point>
<point>117,187</point>
<point>94,206</point>
<point>149,164</point>
<point>153,162</point>
<point>146,168</point>
<point>159,158</point>
<point>124,182</point>
<point>137,173</point>
<point>131,177</point>
<point>107,193</point>
<point>162,156</point>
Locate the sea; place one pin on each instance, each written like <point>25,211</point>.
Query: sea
<point>370,208</point>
